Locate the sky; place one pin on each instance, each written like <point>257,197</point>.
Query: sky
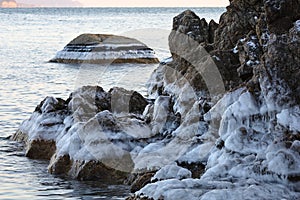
<point>130,3</point>
<point>159,3</point>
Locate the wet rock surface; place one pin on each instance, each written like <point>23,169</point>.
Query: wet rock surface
<point>40,149</point>
<point>141,181</point>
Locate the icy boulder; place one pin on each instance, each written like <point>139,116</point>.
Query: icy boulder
<point>88,136</point>
<point>41,129</point>
<point>172,172</point>
<point>101,48</point>
<point>255,156</point>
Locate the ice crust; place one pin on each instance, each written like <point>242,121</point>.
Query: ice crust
<point>254,162</point>
<point>105,55</point>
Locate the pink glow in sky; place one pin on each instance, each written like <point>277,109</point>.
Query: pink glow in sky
<point>154,3</point>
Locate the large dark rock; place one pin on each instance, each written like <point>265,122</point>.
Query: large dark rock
<point>237,22</point>
<point>280,69</point>
<point>101,48</point>
<point>95,170</point>
<point>60,165</point>
<point>281,14</point>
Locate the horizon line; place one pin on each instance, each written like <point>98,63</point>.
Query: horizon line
<point>115,7</point>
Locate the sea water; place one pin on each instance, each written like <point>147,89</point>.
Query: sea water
<point>29,38</point>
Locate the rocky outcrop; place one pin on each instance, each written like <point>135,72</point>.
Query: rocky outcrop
<point>105,49</point>
<point>88,136</point>
<point>250,136</point>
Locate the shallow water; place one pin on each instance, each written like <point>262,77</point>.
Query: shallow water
<point>31,37</point>
<point>22,178</point>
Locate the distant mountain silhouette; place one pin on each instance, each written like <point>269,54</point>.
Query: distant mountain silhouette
<point>8,4</point>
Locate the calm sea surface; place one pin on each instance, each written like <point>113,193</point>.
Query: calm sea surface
<point>31,37</point>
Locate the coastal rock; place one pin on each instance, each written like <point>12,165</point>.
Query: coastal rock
<point>40,130</point>
<point>281,60</point>
<point>141,181</point>
<point>171,172</point>
<point>250,136</point>
<point>196,169</point>
<point>95,170</point>
<point>219,123</point>
<point>239,19</point>
<point>281,15</point>
<point>106,49</point>
<point>127,101</point>
<point>60,165</point>
<point>249,51</point>
<point>86,133</point>
<point>40,149</point>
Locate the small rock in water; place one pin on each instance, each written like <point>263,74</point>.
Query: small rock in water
<point>102,48</point>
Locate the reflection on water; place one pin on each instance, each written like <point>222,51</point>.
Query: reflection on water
<point>129,76</point>
<point>22,178</point>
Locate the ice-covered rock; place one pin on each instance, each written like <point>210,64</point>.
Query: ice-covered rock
<point>101,48</point>
<point>172,172</point>
<point>87,136</point>
<point>41,129</point>
<point>221,120</point>
<point>250,146</point>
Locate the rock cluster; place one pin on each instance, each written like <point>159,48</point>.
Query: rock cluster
<point>251,134</point>
<point>221,120</point>
<point>107,49</point>
<point>69,132</point>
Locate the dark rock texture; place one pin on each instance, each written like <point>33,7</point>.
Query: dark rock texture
<point>40,149</point>
<point>105,49</point>
<point>141,181</point>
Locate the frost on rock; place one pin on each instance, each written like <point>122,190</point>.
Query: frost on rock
<point>289,118</point>
<point>254,161</point>
<point>249,139</point>
<point>172,172</point>
<point>297,25</point>
<point>87,131</point>
<point>47,121</point>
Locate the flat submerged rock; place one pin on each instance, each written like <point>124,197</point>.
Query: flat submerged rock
<point>103,48</point>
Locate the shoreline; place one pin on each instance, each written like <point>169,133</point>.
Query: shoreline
<point>187,137</point>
